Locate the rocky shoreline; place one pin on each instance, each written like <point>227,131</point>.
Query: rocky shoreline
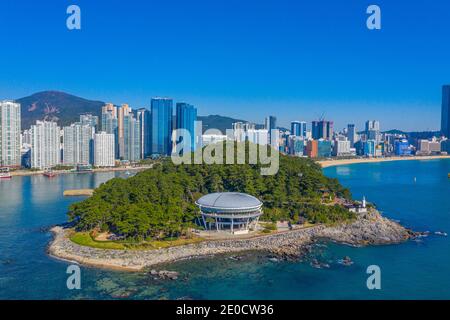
<point>368,229</point>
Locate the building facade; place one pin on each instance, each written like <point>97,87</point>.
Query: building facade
<point>161,126</point>
<point>143,116</point>
<point>270,125</point>
<point>322,130</point>
<point>78,144</point>
<point>45,145</point>
<point>10,129</point>
<point>186,117</point>
<point>351,134</point>
<point>233,212</point>
<point>131,138</point>
<point>104,153</point>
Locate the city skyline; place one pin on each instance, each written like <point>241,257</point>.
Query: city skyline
<point>290,57</point>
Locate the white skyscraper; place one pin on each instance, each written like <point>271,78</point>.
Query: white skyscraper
<point>9,134</point>
<point>104,153</point>
<point>78,139</point>
<point>45,144</point>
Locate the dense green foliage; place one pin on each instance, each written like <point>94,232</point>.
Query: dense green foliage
<point>160,202</point>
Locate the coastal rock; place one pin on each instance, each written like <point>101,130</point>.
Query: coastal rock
<point>368,229</point>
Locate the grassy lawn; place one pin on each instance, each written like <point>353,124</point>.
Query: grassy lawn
<point>85,239</point>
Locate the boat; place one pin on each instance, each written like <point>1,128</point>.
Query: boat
<point>5,174</point>
<point>49,173</point>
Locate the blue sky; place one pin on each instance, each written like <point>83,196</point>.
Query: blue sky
<point>295,59</point>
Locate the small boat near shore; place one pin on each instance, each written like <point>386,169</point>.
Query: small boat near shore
<point>49,173</point>
<point>5,174</point>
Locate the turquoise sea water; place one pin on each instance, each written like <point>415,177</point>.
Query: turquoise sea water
<point>29,205</point>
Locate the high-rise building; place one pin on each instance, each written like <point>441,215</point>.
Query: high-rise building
<point>298,128</point>
<point>89,119</point>
<point>322,130</point>
<point>109,119</point>
<point>45,144</point>
<point>78,144</point>
<point>351,134</point>
<point>144,117</point>
<point>131,138</point>
<point>324,148</point>
<point>271,124</point>
<point>312,148</point>
<point>303,131</point>
<point>10,134</point>
<point>104,153</point>
<point>110,124</point>
<point>295,128</point>
<point>296,145</point>
<point>161,126</point>
<point>373,130</point>
<point>186,116</point>
<point>341,147</point>
<point>123,111</point>
<point>402,148</point>
<point>445,115</point>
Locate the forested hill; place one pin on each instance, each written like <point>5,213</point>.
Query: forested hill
<point>159,202</point>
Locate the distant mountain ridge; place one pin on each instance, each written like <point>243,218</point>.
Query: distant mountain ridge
<point>66,108</point>
<point>56,106</point>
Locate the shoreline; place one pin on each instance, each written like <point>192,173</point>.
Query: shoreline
<point>26,173</point>
<point>368,229</point>
<point>340,162</point>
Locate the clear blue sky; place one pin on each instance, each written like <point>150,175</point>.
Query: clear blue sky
<point>295,59</point>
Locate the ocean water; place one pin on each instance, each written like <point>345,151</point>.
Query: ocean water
<point>417,193</point>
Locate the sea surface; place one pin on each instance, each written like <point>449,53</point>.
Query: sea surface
<point>417,193</point>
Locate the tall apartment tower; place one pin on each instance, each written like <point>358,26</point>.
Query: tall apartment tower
<point>78,144</point>
<point>186,116</point>
<point>124,111</point>
<point>143,116</point>
<point>373,130</point>
<point>322,130</point>
<point>445,115</point>
<point>45,145</point>
<point>10,134</point>
<point>131,138</point>
<point>161,126</point>
<point>271,124</point>
<point>104,153</point>
<point>351,134</point>
<point>110,124</point>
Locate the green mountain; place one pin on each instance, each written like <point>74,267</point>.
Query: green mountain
<point>66,108</point>
<point>57,106</point>
<point>217,122</point>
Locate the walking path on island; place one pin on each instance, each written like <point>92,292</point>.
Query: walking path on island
<point>368,229</point>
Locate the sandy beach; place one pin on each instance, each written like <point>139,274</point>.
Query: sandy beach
<point>339,162</point>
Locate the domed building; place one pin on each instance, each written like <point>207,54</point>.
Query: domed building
<point>230,211</point>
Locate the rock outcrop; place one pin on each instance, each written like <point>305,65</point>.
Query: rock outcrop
<point>368,229</point>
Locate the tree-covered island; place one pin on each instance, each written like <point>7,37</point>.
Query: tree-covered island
<point>159,203</point>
